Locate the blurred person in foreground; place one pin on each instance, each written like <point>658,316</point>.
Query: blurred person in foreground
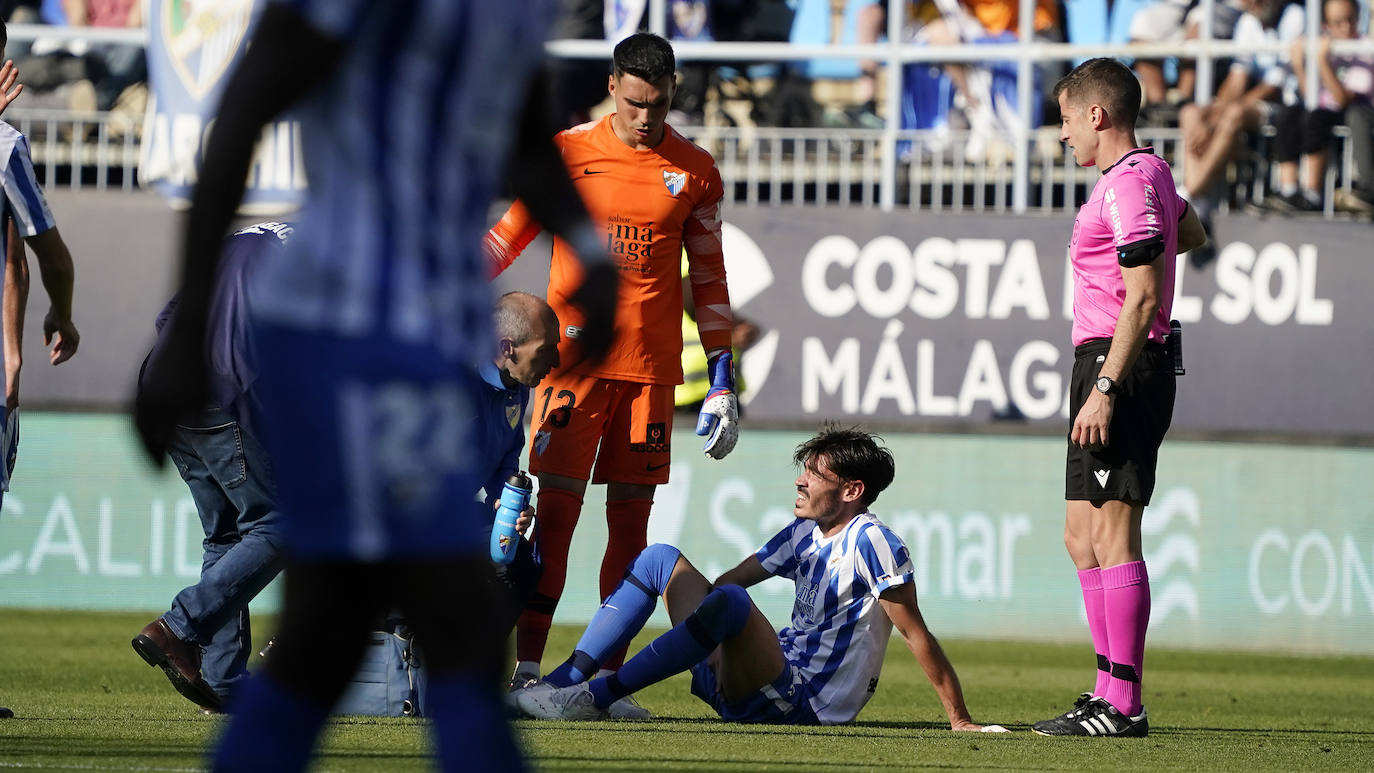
<point>854,583</point>
<point>203,642</point>
<point>652,194</point>
<point>1124,252</point>
<point>368,333</point>
<point>26,219</point>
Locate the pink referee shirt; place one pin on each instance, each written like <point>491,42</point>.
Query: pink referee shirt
<point>1133,203</point>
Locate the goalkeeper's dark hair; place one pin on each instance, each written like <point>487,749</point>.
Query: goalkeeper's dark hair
<point>851,454</point>
<point>646,56</point>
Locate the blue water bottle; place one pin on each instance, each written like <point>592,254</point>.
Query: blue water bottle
<point>515,496</point>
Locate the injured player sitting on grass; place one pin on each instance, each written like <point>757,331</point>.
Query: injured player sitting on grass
<point>854,582</point>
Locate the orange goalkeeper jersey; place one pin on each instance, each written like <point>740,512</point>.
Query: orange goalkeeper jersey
<point>650,205</point>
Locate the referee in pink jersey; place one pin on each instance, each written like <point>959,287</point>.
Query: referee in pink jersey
<point>1124,249</point>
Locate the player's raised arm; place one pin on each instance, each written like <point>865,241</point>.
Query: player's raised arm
<point>10,87</point>
<point>899,603</point>
<point>287,59</point>
<point>509,237</point>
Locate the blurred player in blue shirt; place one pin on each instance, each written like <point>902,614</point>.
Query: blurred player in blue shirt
<point>366,334</point>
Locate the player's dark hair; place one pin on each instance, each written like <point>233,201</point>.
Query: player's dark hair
<point>851,454</point>
<point>4,37</point>
<point>1106,82</point>
<point>646,56</point>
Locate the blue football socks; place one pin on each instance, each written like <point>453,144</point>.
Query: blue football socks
<point>621,615</point>
<point>722,614</point>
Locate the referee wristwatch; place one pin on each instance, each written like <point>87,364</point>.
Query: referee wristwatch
<point>1107,386</point>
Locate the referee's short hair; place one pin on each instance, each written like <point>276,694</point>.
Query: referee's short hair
<point>851,454</point>
<point>1107,82</point>
<point>646,56</point>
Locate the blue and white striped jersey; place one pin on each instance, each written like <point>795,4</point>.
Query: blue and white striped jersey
<point>839,632</point>
<point>405,146</point>
<point>23,200</point>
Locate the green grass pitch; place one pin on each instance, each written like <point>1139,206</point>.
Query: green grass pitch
<point>84,701</point>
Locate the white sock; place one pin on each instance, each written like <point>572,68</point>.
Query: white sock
<point>1312,197</point>
<point>1288,189</point>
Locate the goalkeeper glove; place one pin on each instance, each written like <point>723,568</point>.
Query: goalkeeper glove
<point>718,421</point>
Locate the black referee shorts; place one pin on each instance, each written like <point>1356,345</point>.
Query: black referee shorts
<point>1125,469</point>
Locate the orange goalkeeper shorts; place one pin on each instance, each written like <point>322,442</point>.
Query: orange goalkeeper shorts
<point>624,427</point>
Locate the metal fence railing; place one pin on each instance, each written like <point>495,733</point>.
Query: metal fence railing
<point>80,149</point>
<point>886,168</point>
<point>808,167</point>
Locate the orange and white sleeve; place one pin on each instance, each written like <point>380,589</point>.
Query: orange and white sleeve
<point>706,268</point>
<point>509,237</point>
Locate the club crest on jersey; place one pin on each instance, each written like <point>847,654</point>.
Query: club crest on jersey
<point>675,181</point>
<point>201,39</point>
<point>541,440</point>
<point>513,414</point>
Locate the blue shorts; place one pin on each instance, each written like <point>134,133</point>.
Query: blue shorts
<point>786,701</point>
<point>372,442</point>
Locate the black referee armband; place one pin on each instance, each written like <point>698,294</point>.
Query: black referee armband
<point>1141,252</point>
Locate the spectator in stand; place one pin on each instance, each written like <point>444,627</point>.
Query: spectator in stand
<point>577,85</point>
<point>19,11</point>
<point>1175,21</point>
<point>870,28</point>
<point>951,23</point>
<point>1249,97</point>
<point>111,67</point>
<point>1359,116</point>
<point>1346,83</point>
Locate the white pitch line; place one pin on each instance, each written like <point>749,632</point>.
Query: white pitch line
<point>122,769</point>
<point>40,766</point>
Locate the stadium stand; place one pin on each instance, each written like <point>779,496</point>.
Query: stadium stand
<point>794,164</point>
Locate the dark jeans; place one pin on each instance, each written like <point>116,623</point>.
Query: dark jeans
<point>231,482</point>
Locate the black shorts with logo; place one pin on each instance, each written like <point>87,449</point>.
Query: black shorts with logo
<point>1125,469</point>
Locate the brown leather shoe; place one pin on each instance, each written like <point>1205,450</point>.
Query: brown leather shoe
<point>179,659</point>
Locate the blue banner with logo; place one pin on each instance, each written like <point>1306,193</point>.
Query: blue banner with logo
<point>192,47</point>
